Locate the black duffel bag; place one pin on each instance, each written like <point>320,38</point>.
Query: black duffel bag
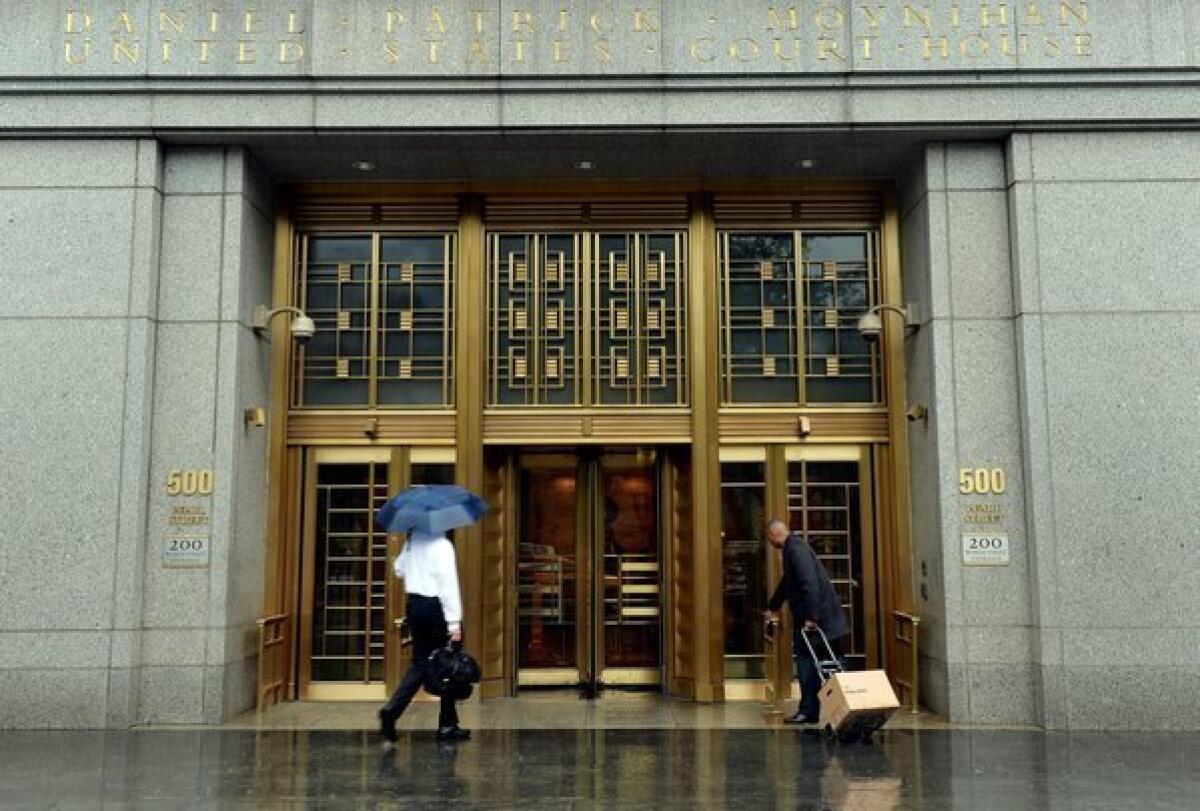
<point>451,672</point>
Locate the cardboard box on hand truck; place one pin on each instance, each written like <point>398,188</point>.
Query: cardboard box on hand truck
<point>854,705</point>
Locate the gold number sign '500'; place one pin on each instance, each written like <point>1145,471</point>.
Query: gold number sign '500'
<point>190,482</point>
<point>981,481</point>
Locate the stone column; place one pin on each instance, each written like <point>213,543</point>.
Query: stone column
<point>976,629</point>
<point>79,222</point>
<point>199,637</point>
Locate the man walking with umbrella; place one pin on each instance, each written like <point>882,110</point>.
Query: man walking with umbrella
<point>434,603</point>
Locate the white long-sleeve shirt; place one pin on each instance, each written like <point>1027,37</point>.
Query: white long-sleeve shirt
<point>428,567</point>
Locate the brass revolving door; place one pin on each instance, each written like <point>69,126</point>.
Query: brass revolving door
<point>589,570</point>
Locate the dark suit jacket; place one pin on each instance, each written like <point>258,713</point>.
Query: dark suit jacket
<point>806,588</point>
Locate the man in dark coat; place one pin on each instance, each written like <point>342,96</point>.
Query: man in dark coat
<point>814,604</point>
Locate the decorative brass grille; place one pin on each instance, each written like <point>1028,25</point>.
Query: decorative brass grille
<point>583,319</point>
<point>789,318</point>
<point>350,592</point>
<point>824,507</point>
<point>383,306</point>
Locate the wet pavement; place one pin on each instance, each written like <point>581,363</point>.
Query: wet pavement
<point>610,768</point>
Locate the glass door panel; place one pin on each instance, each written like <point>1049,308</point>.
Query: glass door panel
<point>746,586</point>
<point>546,586</point>
<point>825,506</point>
<point>350,599</point>
<point>631,586</point>
<point>589,575</point>
<point>346,597</point>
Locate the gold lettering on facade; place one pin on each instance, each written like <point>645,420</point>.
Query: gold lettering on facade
<point>563,20</point>
<point>436,24</point>
<point>874,15</point>
<point>522,21</point>
<point>251,23</point>
<point>126,51</point>
<point>205,52</point>
<point>214,22</point>
<point>245,53</point>
<point>988,15</point>
<point>955,17</point>
<point>603,51</point>
<point>290,53</point>
<point>1073,8</point>
<point>1033,15</point>
<point>829,18</point>
<point>643,21</point>
<point>77,58</point>
<point>828,48</point>
<point>435,52</point>
<point>79,22</point>
<point>787,19</point>
<point>562,51</point>
<point>913,15</point>
<point>392,21</point>
<point>166,52</point>
<point>744,50</point>
<point>596,21</point>
<point>176,21</point>
<point>705,43</point>
<point>1022,46</point>
<point>973,46</point>
<point>477,53</point>
<point>942,44</point>
<point>477,15</point>
<point>781,49</point>
<point>124,24</point>
<point>1083,44</point>
<point>867,47</point>
<point>519,51</point>
<point>295,23</point>
<point>391,53</point>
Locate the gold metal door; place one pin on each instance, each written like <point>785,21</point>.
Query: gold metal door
<point>824,493</point>
<point>589,570</point>
<point>349,598</point>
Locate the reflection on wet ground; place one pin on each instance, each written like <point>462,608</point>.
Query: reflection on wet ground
<point>621,768</point>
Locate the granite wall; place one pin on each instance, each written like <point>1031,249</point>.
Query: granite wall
<point>1057,277</point>
<point>1106,280</point>
<point>130,276</point>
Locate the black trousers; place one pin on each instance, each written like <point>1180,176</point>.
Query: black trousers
<point>429,632</point>
<point>806,670</point>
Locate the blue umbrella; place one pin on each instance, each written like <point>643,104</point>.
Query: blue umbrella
<point>432,509</point>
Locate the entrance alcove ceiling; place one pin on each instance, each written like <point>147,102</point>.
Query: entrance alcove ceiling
<point>534,155</point>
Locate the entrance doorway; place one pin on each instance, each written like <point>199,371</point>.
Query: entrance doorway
<point>824,494</point>
<point>589,570</point>
<point>349,598</point>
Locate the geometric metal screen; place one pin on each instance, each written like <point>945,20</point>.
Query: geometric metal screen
<point>350,589</point>
<point>383,307</point>
<point>789,318</point>
<point>824,508</point>
<point>587,319</point>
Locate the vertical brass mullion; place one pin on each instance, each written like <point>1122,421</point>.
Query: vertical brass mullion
<point>533,260</point>
<point>872,627</point>
<point>707,624</point>
<point>775,471</point>
<point>449,270</point>
<point>637,268</point>
<point>308,577</point>
<point>587,276</point>
<point>373,323</point>
<point>680,306</point>
<point>725,265</point>
<point>801,316</point>
<point>399,478</point>
<point>471,350</point>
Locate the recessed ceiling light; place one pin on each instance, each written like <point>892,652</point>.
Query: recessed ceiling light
<point>807,163</point>
<point>585,166</point>
<point>364,166</point>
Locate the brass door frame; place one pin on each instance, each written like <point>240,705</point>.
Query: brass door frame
<point>779,683</point>
<point>399,460</point>
<point>424,206</point>
<point>590,670</point>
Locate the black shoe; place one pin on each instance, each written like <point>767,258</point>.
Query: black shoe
<point>387,726</point>
<point>454,733</point>
<point>800,719</point>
